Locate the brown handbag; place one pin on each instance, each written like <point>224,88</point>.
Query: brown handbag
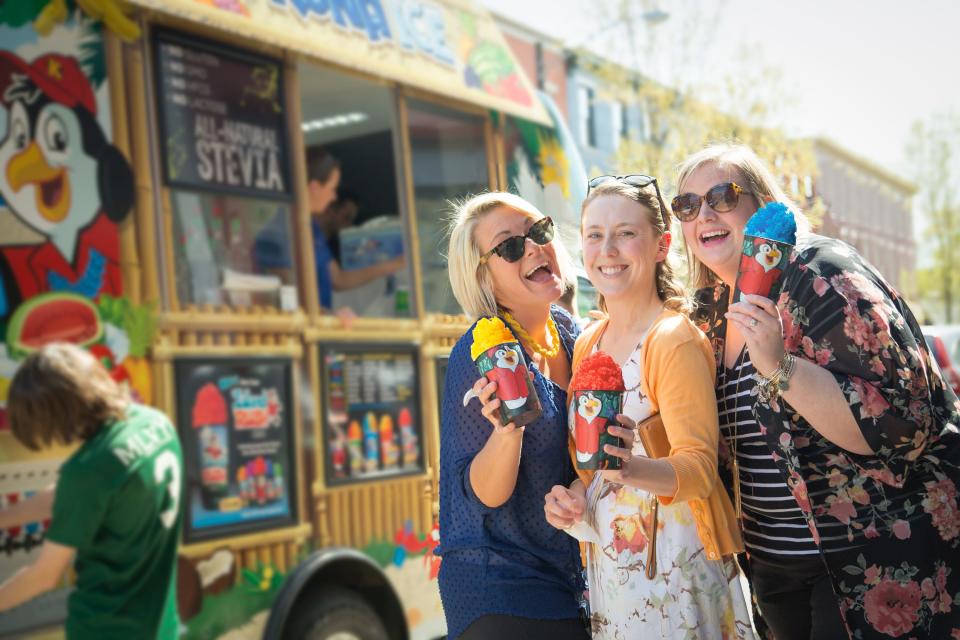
<point>653,437</point>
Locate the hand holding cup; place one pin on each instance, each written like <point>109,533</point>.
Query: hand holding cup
<point>627,434</point>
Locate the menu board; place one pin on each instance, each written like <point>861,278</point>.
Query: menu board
<point>222,118</point>
<point>372,411</point>
<point>236,425</point>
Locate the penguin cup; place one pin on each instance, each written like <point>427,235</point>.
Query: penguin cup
<point>591,412</point>
<point>505,364</point>
<point>761,267</point>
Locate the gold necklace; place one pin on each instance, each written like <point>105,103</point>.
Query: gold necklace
<point>526,337</point>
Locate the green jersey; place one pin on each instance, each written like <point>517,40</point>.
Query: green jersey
<point>118,504</point>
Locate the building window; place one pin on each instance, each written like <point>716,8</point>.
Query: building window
<point>645,123</point>
<point>616,118</point>
<point>624,121</point>
<point>541,69</point>
<point>588,117</point>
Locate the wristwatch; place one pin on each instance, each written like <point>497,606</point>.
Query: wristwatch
<point>770,387</point>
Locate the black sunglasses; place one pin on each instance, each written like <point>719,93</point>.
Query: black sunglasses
<point>512,249</point>
<point>637,180</point>
<point>722,198</point>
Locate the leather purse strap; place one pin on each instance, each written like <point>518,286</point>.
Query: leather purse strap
<point>655,445</point>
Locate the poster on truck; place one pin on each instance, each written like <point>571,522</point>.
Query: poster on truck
<point>222,118</point>
<point>372,411</point>
<point>236,424</point>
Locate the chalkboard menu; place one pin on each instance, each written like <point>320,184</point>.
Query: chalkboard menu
<point>372,411</point>
<point>222,118</point>
<point>235,417</point>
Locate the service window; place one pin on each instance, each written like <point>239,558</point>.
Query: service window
<point>449,158</point>
<point>223,141</point>
<point>371,400</point>
<point>357,225</point>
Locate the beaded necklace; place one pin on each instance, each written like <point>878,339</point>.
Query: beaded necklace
<point>527,338</point>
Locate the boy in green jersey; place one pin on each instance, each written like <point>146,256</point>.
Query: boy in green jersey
<point>116,505</point>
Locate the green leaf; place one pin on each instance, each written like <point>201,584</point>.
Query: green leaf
<point>250,577</point>
<point>141,324</point>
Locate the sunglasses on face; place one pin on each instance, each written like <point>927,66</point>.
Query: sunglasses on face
<point>513,248</point>
<point>639,181</point>
<point>722,198</point>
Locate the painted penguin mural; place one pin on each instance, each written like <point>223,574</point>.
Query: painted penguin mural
<point>62,178</point>
<point>64,187</point>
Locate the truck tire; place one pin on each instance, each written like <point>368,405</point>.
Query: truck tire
<point>335,614</point>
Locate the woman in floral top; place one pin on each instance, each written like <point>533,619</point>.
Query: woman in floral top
<point>863,435</point>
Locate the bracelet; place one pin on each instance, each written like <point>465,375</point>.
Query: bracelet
<point>770,387</point>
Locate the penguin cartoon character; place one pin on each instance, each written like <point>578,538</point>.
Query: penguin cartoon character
<point>588,424</point>
<point>62,178</point>
<point>510,374</point>
<point>759,272</point>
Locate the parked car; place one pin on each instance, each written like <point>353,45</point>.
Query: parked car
<point>944,342</point>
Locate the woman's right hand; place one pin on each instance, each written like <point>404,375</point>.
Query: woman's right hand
<point>484,390</point>
<point>564,507</point>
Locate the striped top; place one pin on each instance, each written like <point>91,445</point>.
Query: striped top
<point>773,524</point>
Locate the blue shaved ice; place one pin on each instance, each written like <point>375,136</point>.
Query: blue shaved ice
<point>774,221</point>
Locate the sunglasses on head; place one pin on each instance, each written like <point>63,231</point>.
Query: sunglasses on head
<point>722,198</point>
<point>639,181</point>
<point>513,248</point>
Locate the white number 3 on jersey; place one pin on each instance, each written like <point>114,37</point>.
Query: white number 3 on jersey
<point>167,461</point>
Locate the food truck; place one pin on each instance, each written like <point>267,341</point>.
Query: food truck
<point>154,209</point>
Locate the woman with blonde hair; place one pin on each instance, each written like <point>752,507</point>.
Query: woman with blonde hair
<point>843,443</point>
<point>654,570</point>
<point>506,573</point>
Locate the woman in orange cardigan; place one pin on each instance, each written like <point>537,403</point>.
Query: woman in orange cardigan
<point>668,367</point>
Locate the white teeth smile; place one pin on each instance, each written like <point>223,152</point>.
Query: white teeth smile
<point>612,270</point>
<point>530,273</point>
<point>709,235</point>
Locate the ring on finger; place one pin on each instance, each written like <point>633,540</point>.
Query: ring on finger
<point>754,322</point>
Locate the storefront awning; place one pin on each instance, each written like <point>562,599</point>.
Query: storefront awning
<point>450,47</point>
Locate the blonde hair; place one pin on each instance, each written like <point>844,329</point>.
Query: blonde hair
<point>471,283</point>
<point>669,288</point>
<point>759,181</point>
<point>61,393</point>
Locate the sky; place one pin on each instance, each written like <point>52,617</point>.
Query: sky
<point>856,71</point>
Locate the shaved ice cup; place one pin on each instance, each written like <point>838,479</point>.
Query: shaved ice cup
<point>591,412</point>
<point>504,363</point>
<point>762,264</point>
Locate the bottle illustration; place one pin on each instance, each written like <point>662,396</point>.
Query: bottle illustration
<point>371,442</point>
<point>355,448</point>
<point>408,438</point>
<point>338,454</point>
<point>210,423</point>
<point>388,442</point>
<point>278,480</point>
<point>242,483</point>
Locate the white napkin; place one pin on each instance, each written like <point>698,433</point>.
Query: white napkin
<point>583,532</point>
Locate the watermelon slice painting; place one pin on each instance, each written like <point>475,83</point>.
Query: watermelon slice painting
<point>53,317</point>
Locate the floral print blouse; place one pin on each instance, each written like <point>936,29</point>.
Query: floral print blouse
<point>888,524</point>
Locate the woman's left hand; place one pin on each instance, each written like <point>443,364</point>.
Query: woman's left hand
<point>758,320</point>
<point>627,433</point>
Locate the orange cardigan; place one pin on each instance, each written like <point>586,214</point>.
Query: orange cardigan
<point>679,374</point>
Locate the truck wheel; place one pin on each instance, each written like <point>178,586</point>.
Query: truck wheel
<point>335,614</point>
